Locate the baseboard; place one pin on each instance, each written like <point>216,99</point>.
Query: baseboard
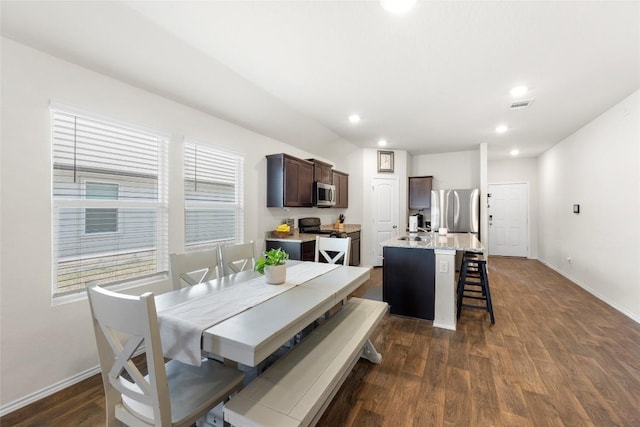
<point>47,391</point>
<point>593,292</point>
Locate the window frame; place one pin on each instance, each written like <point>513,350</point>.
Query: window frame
<point>237,206</point>
<point>159,204</point>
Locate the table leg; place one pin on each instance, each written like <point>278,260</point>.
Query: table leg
<point>369,352</point>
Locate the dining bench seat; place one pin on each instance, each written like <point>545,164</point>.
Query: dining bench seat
<point>297,389</point>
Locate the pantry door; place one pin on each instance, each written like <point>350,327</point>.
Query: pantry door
<point>508,219</point>
<point>385,214</point>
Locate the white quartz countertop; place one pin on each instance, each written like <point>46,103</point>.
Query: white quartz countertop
<point>452,241</point>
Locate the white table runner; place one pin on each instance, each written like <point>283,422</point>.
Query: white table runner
<point>182,325</point>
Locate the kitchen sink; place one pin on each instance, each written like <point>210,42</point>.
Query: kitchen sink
<point>414,238</point>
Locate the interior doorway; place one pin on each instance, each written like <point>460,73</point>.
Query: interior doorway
<point>385,214</point>
<point>508,214</point>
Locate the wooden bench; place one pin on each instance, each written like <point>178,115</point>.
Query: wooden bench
<point>297,389</point>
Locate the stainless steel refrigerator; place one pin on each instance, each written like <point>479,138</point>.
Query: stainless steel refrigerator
<point>456,210</point>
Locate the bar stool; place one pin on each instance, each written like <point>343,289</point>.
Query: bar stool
<point>473,283</point>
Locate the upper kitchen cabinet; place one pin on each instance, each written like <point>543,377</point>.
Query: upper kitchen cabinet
<point>289,181</point>
<point>321,171</point>
<point>341,182</point>
<point>420,192</point>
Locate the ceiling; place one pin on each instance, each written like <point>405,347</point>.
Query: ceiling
<point>434,80</point>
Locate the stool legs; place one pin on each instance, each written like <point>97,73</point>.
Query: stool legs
<point>473,281</point>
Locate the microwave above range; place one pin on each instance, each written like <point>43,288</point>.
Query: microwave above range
<point>324,195</point>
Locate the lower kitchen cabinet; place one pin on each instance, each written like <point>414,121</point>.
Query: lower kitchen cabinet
<point>299,251</point>
<point>306,251</point>
<point>354,256</point>
<point>409,281</point>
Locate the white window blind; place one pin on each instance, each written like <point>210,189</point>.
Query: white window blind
<point>213,196</point>
<point>109,202</point>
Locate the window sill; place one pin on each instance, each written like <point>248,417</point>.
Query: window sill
<point>58,300</point>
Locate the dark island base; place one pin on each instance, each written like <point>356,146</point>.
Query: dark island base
<point>408,281</point>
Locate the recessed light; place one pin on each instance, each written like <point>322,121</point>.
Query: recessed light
<point>354,118</point>
<point>501,128</point>
<point>382,142</point>
<point>514,152</point>
<point>398,6</point>
<point>519,91</point>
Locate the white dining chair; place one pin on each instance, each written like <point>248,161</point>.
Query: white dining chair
<point>194,267</point>
<point>237,258</point>
<point>340,248</point>
<point>172,394</point>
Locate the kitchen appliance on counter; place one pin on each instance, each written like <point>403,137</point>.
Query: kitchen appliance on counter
<point>458,211</point>
<point>413,224</point>
<point>312,225</point>
<point>324,195</point>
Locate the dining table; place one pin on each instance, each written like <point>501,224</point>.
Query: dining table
<point>251,335</point>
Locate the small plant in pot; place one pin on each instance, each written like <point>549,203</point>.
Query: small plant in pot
<point>273,266</point>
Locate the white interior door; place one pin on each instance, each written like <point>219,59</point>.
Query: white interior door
<point>508,219</point>
<point>385,213</point>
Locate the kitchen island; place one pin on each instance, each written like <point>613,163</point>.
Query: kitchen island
<point>419,274</point>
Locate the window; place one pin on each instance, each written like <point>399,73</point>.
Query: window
<point>213,196</point>
<point>98,220</point>
<point>109,202</point>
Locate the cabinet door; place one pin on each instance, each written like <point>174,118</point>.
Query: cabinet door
<point>298,183</point>
<point>354,255</point>
<point>420,192</point>
<point>341,182</point>
<point>294,249</point>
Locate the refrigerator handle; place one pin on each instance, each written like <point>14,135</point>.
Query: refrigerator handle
<point>456,211</point>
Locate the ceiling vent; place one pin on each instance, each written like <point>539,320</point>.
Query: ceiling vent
<point>517,105</point>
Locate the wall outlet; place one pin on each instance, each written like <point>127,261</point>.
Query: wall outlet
<point>444,267</point>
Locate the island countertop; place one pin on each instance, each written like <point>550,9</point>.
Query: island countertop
<point>452,241</point>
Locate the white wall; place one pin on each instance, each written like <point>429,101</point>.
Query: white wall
<point>450,170</point>
<point>45,346</point>
<point>519,171</point>
<point>598,167</point>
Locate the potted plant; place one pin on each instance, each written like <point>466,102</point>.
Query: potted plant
<point>273,266</point>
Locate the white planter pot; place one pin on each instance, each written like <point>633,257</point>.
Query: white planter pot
<point>275,274</point>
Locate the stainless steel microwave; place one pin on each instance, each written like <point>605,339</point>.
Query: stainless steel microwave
<point>324,195</point>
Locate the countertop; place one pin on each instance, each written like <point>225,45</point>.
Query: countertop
<point>452,241</point>
<point>308,237</point>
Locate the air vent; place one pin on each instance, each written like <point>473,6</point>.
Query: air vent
<point>516,105</point>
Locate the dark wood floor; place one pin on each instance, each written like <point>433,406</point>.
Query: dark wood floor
<point>556,356</point>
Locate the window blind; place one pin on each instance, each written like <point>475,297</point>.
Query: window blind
<point>213,196</point>
<point>109,202</point>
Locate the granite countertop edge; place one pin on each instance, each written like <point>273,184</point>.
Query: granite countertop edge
<point>452,241</point>
<point>308,237</point>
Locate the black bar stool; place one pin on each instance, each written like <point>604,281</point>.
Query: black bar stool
<point>473,283</point>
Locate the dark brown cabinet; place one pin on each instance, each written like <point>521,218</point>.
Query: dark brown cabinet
<point>420,192</point>
<point>297,251</point>
<point>321,171</point>
<point>354,255</point>
<point>289,181</point>
<point>341,182</point>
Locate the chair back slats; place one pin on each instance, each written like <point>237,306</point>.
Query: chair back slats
<point>339,248</point>
<point>237,258</point>
<point>194,267</point>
